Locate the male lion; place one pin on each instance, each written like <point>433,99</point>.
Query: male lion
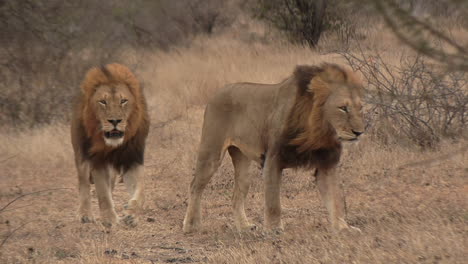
<point>299,122</point>
<point>108,132</point>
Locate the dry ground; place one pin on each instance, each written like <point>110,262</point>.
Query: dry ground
<point>407,213</point>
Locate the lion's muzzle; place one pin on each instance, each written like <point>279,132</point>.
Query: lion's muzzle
<point>114,134</point>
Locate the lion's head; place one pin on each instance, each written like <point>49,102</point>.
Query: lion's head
<point>328,107</point>
<point>113,106</point>
<point>343,108</point>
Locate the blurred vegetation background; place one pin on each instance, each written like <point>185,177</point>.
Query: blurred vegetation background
<point>46,47</point>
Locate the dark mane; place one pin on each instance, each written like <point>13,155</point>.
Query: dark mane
<point>308,141</point>
<point>303,74</point>
<point>318,158</point>
<point>122,157</point>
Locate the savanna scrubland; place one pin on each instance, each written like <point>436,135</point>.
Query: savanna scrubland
<point>405,181</point>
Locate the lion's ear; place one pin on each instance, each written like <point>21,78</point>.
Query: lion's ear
<point>303,75</point>
<point>333,73</point>
<point>319,86</point>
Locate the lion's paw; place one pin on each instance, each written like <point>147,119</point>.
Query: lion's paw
<point>129,220</point>
<point>85,219</point>
<point>345,228</point>
<point>275,227</point>
<point>107,224</point>
<point>131,205</point>
<point>277,230</point>
<point>110,220</point>
<point>134,205</point>
<point>191,227</point>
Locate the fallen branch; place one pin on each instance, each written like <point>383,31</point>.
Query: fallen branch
<point>439,158</point>
<point>12,232</point>
<point>9,158</point>
<point>16,208</point>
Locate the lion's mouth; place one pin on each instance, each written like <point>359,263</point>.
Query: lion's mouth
<point>114,133</point>
<point>348,139</point>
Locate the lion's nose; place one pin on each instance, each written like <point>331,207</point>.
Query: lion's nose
<point>114,121</point>
<point>357,133</point>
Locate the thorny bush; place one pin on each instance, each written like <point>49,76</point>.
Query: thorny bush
<point>416,102</point>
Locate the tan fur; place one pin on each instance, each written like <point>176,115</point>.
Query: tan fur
<point>109,93</point>
<point>299,122</point>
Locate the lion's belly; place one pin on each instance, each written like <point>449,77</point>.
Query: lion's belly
<point>252,151</point>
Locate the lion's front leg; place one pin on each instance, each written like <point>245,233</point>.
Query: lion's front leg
<point>272,177</point>
<point>84,188</point>
<point>134,182</point>
<point>241,188</point>
<point>332,197</point>
<point>103,181</point>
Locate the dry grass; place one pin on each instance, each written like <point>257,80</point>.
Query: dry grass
<point>408,214</point>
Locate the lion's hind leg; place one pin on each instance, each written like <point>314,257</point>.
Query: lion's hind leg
<point>272,174</point>
<point>207,163</point>
<point>241,188</point>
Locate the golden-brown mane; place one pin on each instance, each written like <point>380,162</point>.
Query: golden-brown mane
<point>110,74</point>
<point>307,128</point>
<point>307,132</point>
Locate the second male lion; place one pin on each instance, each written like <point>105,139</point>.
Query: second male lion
<point>109,129</point>
<point>299,122</point>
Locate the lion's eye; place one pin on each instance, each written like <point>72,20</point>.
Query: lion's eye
<point>344,109</point>
<point>103,102</point>
<point>123,101</point>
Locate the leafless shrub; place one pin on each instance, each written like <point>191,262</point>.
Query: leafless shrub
<point>304,21</point>
<point>342,19</point>
<point>414,100</point>
<point>301,20</point>
<point>210,14</point>
<point>425,37</point>
<point>46,46</point>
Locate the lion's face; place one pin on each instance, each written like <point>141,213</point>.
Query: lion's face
<point>343,110</point>
<point>113,104</point>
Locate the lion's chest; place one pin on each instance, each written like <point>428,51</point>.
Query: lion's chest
<point>121,158</point>
<point>319,158</point>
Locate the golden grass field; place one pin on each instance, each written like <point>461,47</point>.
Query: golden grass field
<point>408,213</point>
